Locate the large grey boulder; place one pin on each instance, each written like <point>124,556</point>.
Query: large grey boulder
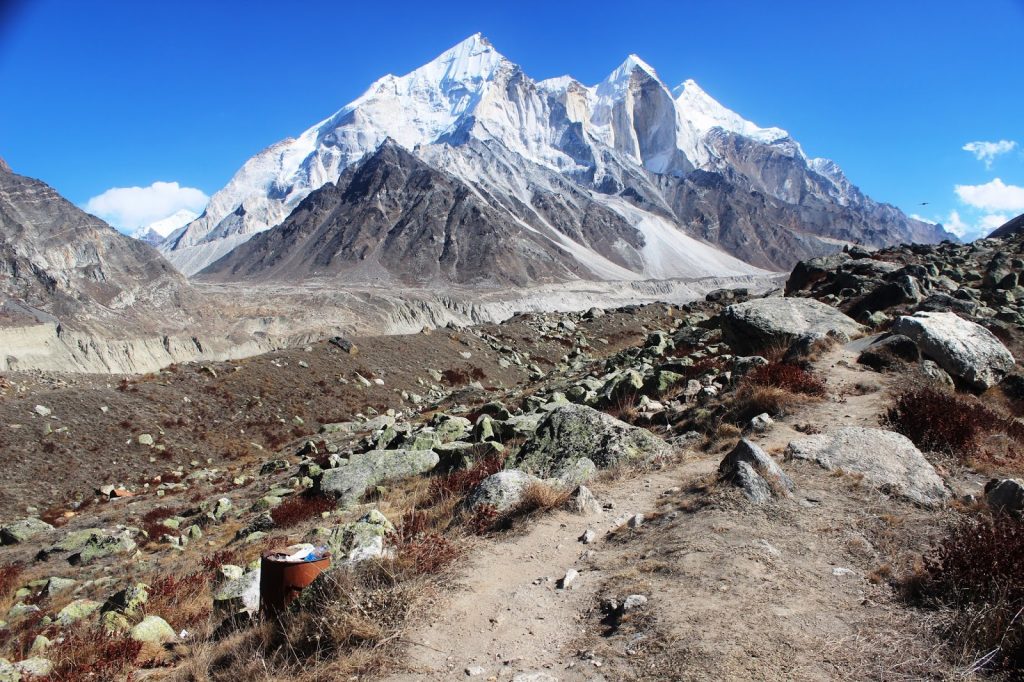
<point>357,541</point>
<point>765,322</point>
<point>240,594</point>
<point>349,481</point>
<point>502,490</point>
<point>968,351</point>
<point>887,460</point>
<point>573,432</point>
<point>23,530</point>
<point>750,468</point>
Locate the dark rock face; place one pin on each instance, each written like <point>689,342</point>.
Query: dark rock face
<point>1009,228</point>
<point>395,218</point>
<point>58,259</point>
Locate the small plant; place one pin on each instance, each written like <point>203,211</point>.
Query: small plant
<point>9,575</point>
<point>458,483</point>
<point>787,377</point>
<point>300,508</point>
<point>91,655</point>
<point>943,421</point>
<point>974,570</point>
<point>428,553</point>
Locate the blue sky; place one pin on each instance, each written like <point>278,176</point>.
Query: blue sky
<point>102,94</point>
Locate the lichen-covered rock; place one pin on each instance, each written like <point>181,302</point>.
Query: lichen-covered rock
<point>501,491</point>
<point>76,611</point>
<point>968,351</point>
<point>348,482</point>
<point>887,460</point>
<point>35,667</point>
<point>238,595</point>
<point>23,530</point>
<point>128,601</point>
<point>765,322</point>
<point>8,673</point>
<point>154,630</point>
<point>358,541</point>
<point>573,432</point>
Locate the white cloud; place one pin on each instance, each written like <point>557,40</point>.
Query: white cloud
<point>992,196</point>
<point>129,208</point>
<point>988,151</point>
<point>969,231</point>
<point>992,221</point>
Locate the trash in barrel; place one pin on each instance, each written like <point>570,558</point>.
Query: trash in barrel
<point>286,572</point>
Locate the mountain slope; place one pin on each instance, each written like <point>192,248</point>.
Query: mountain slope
<point>475,114</point>
<point>60,260</point>
<point>395,219</point>
<point>154,233</point>
<point>1009,228</point>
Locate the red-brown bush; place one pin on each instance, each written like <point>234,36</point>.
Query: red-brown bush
<point>460,482</point>
<point>942,421</point>
<point>91,655</point>
<point>788,377</point>
<point>975,570</point>
<point>299,508</point>
<point>9,575</point>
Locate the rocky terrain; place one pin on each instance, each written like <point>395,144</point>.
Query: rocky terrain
<point>819,483</point>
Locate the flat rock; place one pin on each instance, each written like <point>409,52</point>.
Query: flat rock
<point>766,322</point>
<point>885,459</point>
<point>968,351</point>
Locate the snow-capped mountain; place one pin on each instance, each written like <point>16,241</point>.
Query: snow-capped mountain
<point>670,168</point>
<point>157,231</point>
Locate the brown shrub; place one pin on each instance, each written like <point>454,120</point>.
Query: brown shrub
<point>300,508</point>
<point>974,571</point>
<point>91,655</point>
<point>787,377</point>
<point>9,576</point>
<point>183,601</point>
<point>427,553</point>
<point>751,400</point>
<point>943,421</point>
<point>458,483</point>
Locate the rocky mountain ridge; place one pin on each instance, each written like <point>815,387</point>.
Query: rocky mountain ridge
<point>626,144</point>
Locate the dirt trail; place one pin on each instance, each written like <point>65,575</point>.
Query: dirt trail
<point>736,591</point>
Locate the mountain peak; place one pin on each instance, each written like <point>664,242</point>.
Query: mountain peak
<point>473,59</point>
<point>626,69</point>
<point>704,112</point>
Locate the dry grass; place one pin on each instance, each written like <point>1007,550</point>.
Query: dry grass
<point>751,400</point>
<point>88,655</point>
<point>300,508</point>
<point>971,580</point>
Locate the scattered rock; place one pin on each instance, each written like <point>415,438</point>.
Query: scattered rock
<point>76,611</point>
<point>568,579</point>
<point>885,459</point>
<point>751,469</point>
<point>502,490</point>
<point>589,537</point>
<point>582,501</point>
<point>155,630</point>
<point>23,530</point>
<point>239,595</point>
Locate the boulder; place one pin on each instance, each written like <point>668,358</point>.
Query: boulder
<point>349,481</point>
<point>359,540</point>
<point>128,601</point>
<point>502,490</point>
<point>35,667</point>
<point>969,352</point>
<point>890,350</point>
<point>887,460</point>
<point>751,469</point>
<point>573,432</point>
<point>1005,495</point>
<point>766,322</point>
<point>239,594</point>
<point>154,630</point>
<point>23,530</point>
<point>76,611</point>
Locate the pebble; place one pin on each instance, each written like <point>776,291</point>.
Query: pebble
<point>570,577</point>
<point>588,536</point>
